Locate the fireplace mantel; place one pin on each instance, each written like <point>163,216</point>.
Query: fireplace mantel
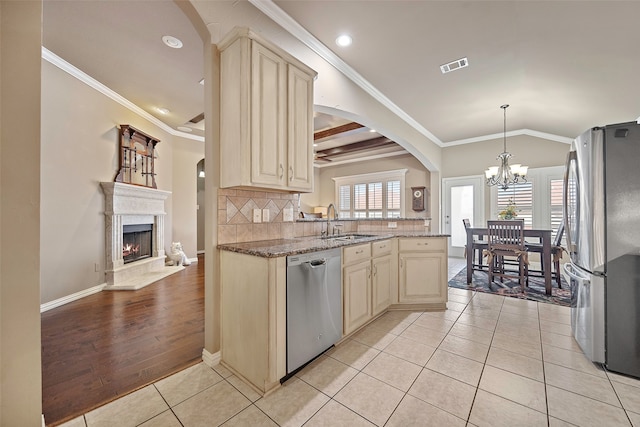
<point>127,204</point>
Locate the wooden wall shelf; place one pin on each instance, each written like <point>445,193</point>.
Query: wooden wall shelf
<point>137,157</point>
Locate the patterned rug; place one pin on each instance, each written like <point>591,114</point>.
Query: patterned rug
<point>511,288</point>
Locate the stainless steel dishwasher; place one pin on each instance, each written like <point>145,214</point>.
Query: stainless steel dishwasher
<point>314,306</point>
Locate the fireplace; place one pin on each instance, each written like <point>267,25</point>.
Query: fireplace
<point>134,231</point>
<point>137,242</point>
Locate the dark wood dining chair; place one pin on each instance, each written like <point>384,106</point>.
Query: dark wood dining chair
<point>477,248</point>
<point>556,254</point>
<point>506,242</point>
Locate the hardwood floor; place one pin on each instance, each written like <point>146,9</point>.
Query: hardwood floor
<point>103,346</point>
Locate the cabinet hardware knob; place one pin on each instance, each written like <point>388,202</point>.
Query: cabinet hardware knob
<point>290,173</point>
<point>360,251</point>
<point>281,171</point>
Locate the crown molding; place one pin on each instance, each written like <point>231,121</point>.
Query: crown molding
<point>529,132</point>
<point>54,59</point>
<point>270,9</point>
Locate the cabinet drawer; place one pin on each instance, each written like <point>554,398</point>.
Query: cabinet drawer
<point>382,247</point>
<point>351,254</point>
<point>422,244</point>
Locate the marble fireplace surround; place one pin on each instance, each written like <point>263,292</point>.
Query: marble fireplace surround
<point>127,204</point>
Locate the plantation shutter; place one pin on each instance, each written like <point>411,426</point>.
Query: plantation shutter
<point>522,195</point>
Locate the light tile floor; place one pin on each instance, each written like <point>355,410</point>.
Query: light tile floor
<point>487,361</point>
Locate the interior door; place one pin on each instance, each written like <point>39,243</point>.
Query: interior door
<point>462,198</point>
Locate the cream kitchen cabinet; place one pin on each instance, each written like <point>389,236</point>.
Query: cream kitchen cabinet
<point>422,277</point>
<point>356,286</point>
<point>368,277</point>
<point>253,302</point>
<point>266,116</point>
<point>384,271</point>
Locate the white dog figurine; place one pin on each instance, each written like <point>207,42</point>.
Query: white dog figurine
<point>177,255</point>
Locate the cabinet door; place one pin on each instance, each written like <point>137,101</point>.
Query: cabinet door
<point>268,117</point>
<point>380,282</point>
<point>422,277</point>
<point>357,295</point>
<point>300,129</point>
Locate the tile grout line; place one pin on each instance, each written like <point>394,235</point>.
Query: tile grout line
<point>475,394</point>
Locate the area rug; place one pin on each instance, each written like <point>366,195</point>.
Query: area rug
<point>511,288</point>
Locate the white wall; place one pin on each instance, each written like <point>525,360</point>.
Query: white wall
<point>80,150</point>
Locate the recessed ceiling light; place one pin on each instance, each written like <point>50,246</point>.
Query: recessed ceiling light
<point>372,130</point>
<point>163,110</point>
<point>185,129</point>
<point>454,65</point>
<point>202,82</point>
<point>344,40</point>
<point>172,42</point>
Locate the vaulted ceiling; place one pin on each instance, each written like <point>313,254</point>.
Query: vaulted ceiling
<point>563,66</point>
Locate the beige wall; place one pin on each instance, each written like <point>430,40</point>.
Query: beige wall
<point>417,176</point>
<point>80,150</point>
<point>20,364</point>
<point>474,159</point>
<point>186,155</point>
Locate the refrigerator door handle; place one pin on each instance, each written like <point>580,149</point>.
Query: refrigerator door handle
<point>571,157</point>
<point>572,273</point>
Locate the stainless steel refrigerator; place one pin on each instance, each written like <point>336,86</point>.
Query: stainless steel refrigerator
<point>602,222</point>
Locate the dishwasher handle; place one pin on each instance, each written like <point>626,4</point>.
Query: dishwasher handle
<point>317,263</point>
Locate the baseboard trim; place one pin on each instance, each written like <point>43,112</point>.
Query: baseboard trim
<point>194,260</point>
<point>209,359</point>
<point>70,298</point>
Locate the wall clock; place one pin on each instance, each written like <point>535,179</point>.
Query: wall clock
<point>417,196</point>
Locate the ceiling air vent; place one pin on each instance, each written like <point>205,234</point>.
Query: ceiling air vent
<point>198,118</point>
<point>455,65</point>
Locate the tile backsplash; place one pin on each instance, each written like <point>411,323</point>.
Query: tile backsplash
<point>235,218</point>
<point>235,215</point>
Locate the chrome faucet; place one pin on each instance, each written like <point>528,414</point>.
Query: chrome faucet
<point>335,216</point>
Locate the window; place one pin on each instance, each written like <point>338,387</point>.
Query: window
<point>377,195</point>
<point>538,201</point>
<point>522,196</point>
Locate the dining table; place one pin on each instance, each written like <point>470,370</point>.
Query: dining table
<point>543,236</point>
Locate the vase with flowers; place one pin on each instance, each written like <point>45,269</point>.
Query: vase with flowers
<point>509,212</point>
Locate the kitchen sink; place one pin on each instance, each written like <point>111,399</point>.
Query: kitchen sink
<point>348,237</point>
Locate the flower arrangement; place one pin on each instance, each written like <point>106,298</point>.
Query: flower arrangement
<point>509,212</point>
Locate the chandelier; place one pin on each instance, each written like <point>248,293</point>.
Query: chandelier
<point>505,175</point>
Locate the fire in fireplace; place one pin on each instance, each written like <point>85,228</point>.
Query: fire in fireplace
<point>137,242</point>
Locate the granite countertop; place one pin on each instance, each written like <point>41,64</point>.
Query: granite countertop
<point>300,245</point>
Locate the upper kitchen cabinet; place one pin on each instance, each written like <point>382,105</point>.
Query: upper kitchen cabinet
<point>266,117</point>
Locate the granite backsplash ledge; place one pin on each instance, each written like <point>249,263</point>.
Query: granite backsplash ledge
<point>235,214</point>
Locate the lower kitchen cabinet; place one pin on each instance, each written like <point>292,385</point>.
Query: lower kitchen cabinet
<point>422,275</point>
<point>253,305</point>
<point>381,280</point>
<point>356,281</point>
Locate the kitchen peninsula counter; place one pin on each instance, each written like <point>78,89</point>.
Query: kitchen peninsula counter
<point>299,245</point>
<point>381,271</point>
